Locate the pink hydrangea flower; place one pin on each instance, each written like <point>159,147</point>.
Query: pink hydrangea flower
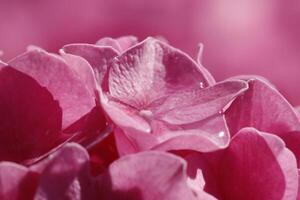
<point>159,98</point>
<point>238,139</point>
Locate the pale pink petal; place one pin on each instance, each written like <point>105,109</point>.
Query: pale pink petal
<point>204,136</point>
<point>98,57</point>
<point>119,44</point>
<point>265,109</point>
<point>52,72</point>
<point>198,104</point>
<point>129,140</point>
<point>82,69</point>
<point>30,121</point>
<point>257,165</point>
<point>122,115</point>
<point>150,70</point>
<point>16,182</point>
<point>148,175</point>
<point>126,42</point>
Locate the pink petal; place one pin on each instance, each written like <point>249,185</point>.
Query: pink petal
<point>64,174</point>
<point>148,175</point>
<point>16,182</point>
<point>265,109</point>
<point>150,70</point>
<point>52,72</point>
<point>122,115</point>
<point>98,57</point>
<point>126,42</point>
<point>257,165</point>
<point>82,69</point>
<point>31,119</point>
<point>204,136</point>
<point>198,104</point>
<point>133,141</point>
<point>120,44</point>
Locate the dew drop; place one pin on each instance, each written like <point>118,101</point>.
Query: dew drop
<point>221,134</point>
<point>201,85</point>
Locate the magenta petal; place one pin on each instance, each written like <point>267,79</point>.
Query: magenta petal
<point>151,70</point>
<point>257,165</point>
<point>52,72</point>
<point>16,182</point>
<point>30,118</point>
<point>148,175</point>
<point>198,104</point>
<point>98,57</point>
<point>62,176</point>
<point>265,109</point>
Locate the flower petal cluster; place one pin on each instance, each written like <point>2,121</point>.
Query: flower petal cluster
<point>122,119</point>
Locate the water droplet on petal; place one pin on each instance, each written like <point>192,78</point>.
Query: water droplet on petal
<point>221,112</point>
<point>221,134</point>
<point>201,85</point>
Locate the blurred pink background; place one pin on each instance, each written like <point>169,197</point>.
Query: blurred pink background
<point>240,36</point>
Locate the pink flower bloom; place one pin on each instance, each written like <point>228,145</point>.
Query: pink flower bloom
<point>159,98</point>
<point>66,175</point>
<point>44,101</point>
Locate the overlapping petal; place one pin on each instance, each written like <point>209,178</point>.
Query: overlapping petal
<point>256,165</point>
<point>52,72</point>
<point>31,118</point>
<point>265,109</point>
<point>65,175</point>
<point>119,44</point>
<point>97,56</point>
<point>147,176</point>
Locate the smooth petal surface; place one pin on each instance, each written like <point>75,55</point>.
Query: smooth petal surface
<point>195,105</point>
<point>64,175</point>
<point>30,118</point>
<point>258,166</point>
<point>150,70</point>
<point>82,69</point>
<point>98,57</point>
<point>119,44</point>
<point>16,182</point>
<point>148,176</point>
<point>205,136</point>
<point>52,72</point>
<point>265,109</point>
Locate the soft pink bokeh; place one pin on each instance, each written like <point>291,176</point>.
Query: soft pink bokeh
<point>240,37</point>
